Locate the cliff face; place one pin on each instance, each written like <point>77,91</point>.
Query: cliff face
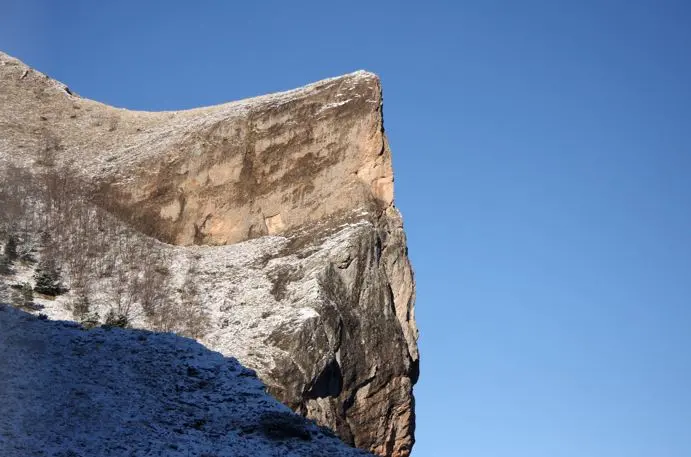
<point>280,209</point>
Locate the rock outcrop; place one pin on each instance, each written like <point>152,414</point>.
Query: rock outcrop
<point>280,207</point>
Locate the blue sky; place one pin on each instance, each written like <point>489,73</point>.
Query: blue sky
<point>542,153</point>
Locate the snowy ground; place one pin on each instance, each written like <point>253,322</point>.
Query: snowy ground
<point>69,392</point>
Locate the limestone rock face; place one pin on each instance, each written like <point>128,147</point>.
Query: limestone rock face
<point>284,204</point>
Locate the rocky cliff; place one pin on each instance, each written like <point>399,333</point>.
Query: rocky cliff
<point>274,213</point>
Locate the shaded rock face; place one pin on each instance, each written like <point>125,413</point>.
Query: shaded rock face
<point>284,203</point>
<point>352,368</point>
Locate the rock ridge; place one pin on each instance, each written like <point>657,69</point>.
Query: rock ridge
<point>281,207</point>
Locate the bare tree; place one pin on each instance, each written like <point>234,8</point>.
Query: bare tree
<point>196,314</point>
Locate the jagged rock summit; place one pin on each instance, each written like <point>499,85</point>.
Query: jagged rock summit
<point>277,209</point>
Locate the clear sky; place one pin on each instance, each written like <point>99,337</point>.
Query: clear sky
<point>542,152</point>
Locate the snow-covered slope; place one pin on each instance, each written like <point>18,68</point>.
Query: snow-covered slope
<point>66,391</point>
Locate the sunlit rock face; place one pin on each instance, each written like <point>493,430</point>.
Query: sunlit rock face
<point>284,206</point>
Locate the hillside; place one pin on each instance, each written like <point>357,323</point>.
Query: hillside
<point>70,392</point>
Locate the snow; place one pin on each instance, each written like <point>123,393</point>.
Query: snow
<point>66,391</point>
<point>307,313</point>
<point>329,106</point>
<point>234,285</point>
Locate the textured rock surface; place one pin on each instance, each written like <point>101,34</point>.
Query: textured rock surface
<point>300,253</point>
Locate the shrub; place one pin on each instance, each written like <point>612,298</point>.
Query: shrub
<point>279,425</point>
<point>23,296</point>
<point>195,315</point>
<point>90,321</point>
<point>114,319</point>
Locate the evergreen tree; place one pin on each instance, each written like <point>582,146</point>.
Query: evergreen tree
<point>10,250</point>
<point>5,265</point>
<point>8,256</point>
<point>81,307</point>
<point>47,278</point>
<point>23,297</point>
<point>4,293</point>
<point>27,293</point>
